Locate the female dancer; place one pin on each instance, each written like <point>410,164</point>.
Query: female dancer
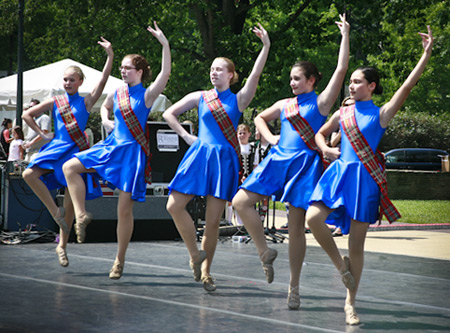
<point>293,167</point>
<point>210,167</point>
<point>335,141</point>
<point>347,187</point>
<point>124,149</point>
<point>70,113</point>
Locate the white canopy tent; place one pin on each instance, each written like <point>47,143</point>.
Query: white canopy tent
<point>47,81</point>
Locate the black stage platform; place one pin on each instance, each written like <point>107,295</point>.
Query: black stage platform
<point>158,294</point>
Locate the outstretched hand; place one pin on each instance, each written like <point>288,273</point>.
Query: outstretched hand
<point>157,32</point>
<point>427,40</point>
<point>106,45</point>
<point>262,34</point>
<point>343,25</point>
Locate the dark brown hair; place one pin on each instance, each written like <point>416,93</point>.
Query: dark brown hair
<point>309,69</point>
<point>19,131</point>
<point>371,75</point>
<point>141,64</point>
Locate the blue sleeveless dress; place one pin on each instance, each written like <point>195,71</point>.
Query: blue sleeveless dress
<point>346,185</point>
<point>211,165</point>
<point>119,159</point>
<point>291,170</point>
<point>61,148</point>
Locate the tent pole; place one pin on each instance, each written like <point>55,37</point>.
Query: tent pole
<point>19,105</point>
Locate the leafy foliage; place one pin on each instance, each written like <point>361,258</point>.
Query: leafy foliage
<point>383,34</point>
<point>417,129</point>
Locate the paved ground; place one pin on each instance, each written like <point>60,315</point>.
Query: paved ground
<point>419,240</point>
<point>405,288</point>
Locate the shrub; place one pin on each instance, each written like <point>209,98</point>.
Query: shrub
<point>417,129</point>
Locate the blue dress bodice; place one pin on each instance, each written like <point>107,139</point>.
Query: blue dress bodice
<point>208,129</point>
<point>137,100</point>
<point>308,109</point>
<point>368,119</point>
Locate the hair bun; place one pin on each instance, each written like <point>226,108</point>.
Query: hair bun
<point>378,90</point>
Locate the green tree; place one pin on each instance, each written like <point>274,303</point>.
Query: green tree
<point>402,48</point>
<point>383,34</point>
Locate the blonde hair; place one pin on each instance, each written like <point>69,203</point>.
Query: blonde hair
<point>231,68</point>
<point>78,71</point>
<point>243,127</point>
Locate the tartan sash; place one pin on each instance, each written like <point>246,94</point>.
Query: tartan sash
<point>132,122</point>
<point>75,132</point>
<point>223,120</point>
<point>302,127</point>
<point>374,163</point>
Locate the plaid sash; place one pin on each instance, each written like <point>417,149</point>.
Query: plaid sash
<point>132,122</point>
<point>374,163</point>
<point>302,127</point>
<point>75,132</point>
<point>223,120</point>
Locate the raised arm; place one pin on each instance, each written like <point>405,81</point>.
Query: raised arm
<point>327,98</point>
<point>246,94</point>
<point>388,111</point>
<point>188,102</point>
<point>160,82</point>
<point>93,97</point>
<point>269,114</point>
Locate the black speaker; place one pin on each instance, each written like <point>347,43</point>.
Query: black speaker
<point>20,206</point>
<point>151,220</point>
<point>167,150</point>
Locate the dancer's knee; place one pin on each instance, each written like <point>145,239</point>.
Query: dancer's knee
<point>174,206</point>
<point>27,174</point>
<point>316,214</point>
<point>242,200</point>
<point>69,168</point>
<point>170,206</point>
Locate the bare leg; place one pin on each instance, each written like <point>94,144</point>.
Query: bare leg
<point>244,202</point>
<point>31,177</point>
<point>64,235</point>
<point>68,206</point>
<point>315,216</point>
<point>125,224</point>
<point>176,206</point>
<point>214,210</point>
<point>357,237</point>
<point>72,171</point>
<point>297,243</point>
<point>297,250</point>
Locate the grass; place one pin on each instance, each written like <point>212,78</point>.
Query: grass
<point>415,211</point>
<point>423,211</point>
